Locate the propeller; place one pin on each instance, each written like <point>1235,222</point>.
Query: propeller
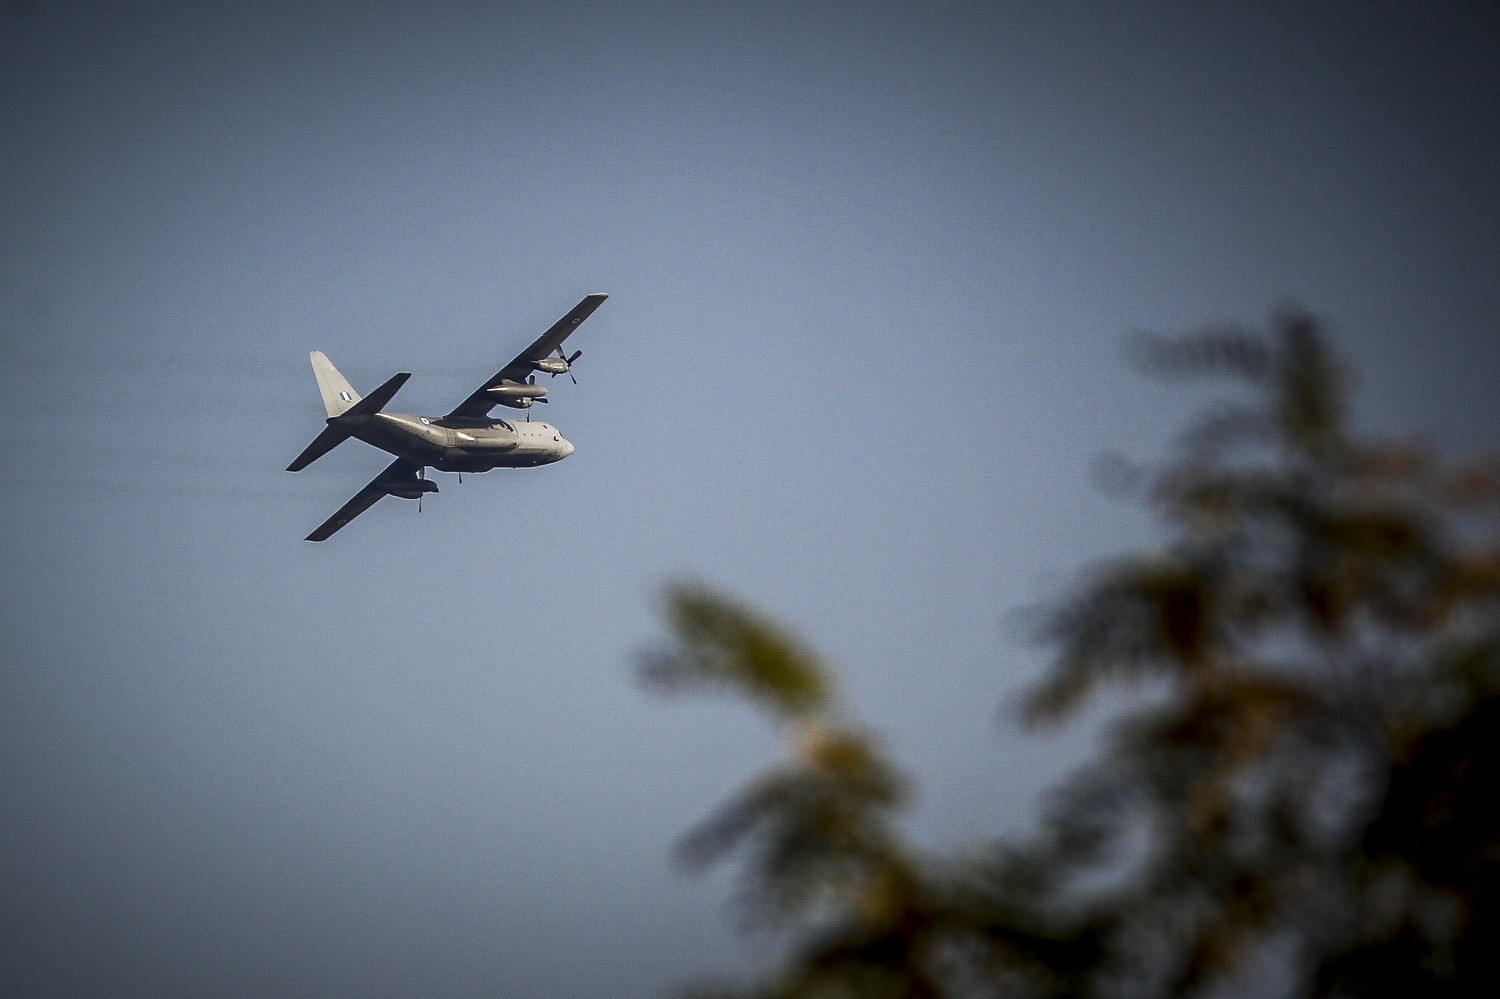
<point>568,361</point>
<point>421,474</point>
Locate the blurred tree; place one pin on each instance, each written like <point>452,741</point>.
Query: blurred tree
<point>821,852</point>
<point>1301,785</point>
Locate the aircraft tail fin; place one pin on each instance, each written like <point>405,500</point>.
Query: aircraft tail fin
<point>338,395</point>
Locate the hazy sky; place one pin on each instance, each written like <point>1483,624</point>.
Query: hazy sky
<point>871,268</point>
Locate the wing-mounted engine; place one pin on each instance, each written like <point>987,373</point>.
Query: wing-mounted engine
<point>405,482</point>
<point>410,490</point>
<point>515,384</point>
<point>401,478</point>
<point>517,395</point>
<point>559,365</point>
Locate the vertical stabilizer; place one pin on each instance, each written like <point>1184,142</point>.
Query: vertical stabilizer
<point>338,394</point>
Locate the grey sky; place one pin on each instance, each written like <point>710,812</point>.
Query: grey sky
<point>870,266</point>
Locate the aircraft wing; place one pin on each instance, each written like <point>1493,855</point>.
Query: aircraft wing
<point>400,469</point>
<point>480,402</point>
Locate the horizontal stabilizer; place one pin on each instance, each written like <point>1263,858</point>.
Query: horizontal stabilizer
<point>331,437</point>
<point>375,401</point>
<point>339,429</point>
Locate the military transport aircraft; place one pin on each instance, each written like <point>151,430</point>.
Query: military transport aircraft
<point>466,440</point>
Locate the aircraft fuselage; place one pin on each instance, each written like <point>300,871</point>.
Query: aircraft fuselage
<point>460,444</point>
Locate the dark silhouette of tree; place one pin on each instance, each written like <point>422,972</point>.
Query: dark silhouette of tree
<point>1302,783</point>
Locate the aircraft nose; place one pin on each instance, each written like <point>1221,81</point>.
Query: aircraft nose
<point>567,448</point>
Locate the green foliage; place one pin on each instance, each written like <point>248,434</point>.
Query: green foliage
<point>722,645</point>
<point>814,829</point>
<point>1311,775</point>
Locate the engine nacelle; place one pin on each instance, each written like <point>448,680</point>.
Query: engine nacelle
<point>516,390</point>
<point>551,366</point>
<point>412,489</point>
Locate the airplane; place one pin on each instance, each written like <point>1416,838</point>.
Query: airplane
<point>466,440</point>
